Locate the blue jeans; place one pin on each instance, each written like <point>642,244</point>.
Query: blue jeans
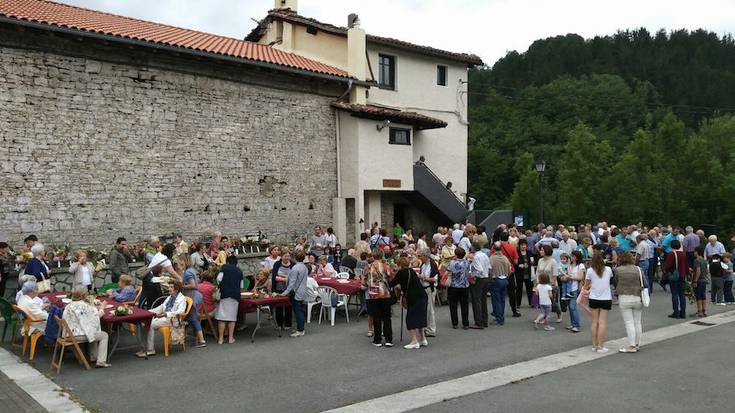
<point>497,291</point>
<point>573,311</point>
<point>678,300</point>
<point>193,319</point>
<point>652,263</point>
<point>299,313</point>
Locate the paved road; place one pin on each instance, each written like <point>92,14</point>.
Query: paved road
<point>691,373</point>
<point>329,367</point>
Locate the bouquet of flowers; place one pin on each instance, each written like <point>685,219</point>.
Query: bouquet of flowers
<point>237,245</point>
<point>689,292</point>
<point>24,257</point>
<point>123,310</point>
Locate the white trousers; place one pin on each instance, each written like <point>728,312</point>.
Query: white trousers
<point>97,348</point>
<point>155,325</point>
<point>631,308</point>
<point>430,317</point>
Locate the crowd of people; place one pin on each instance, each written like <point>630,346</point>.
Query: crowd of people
<point>561,269</point>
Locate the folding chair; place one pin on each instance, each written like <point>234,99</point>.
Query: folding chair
<point>64,339</point>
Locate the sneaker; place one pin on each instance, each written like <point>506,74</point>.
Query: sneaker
<point>516,315</point>
<point>297,334</point>
<point>720,304</point>
<point>549,328</point>
<point>378,344</point>
<point>424,343</point>
<point>200,345</point>
<point>559,320</point>
<point>602,350</point>
<point>574,330</point>
<point>412,346</point>
<point>142,354</point>
<point>389,344</point>
<point>569,327</point>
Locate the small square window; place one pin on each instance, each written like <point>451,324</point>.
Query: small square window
<point>441,75</point>
<point>387,72</point>
<point>399,136</point>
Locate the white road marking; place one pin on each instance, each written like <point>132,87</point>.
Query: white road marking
<point>47,393</point>
<point>463,386</point>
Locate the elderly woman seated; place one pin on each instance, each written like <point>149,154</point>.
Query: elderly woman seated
<point>325,269</point>
<point>31,304</point>
<point>263,281</point>
<point>84,322</point>
<point>174,305</point>
<point>125,292</point>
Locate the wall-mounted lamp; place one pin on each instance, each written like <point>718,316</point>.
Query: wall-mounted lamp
<point>382,125</point>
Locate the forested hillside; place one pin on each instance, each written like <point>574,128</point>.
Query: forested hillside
<point>633,127</point>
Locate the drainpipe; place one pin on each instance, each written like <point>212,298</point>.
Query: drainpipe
<point>337,140</point>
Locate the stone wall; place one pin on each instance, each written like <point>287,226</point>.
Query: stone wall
<point>99,141</point>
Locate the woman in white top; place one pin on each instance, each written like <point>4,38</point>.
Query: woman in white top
<point>325,269</point>
<point>174,305</point>
<point>275,256</point>
<point>83,271</point>
<point>163,259</point>
<point>83,320</point>
<point>32,307</point>
<point>597,281</point>
<point>577,273</point>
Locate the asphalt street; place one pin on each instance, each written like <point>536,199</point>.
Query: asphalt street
<point>691,373</point>
<point>329,367</point>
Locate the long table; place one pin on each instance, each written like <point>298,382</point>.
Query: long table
<point>258,305</point>
<point>140,317</point>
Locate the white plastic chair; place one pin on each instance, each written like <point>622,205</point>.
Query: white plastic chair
<point>342,268</point>
<point>325,296</point>
<point>309,306</point>
<point>343,275</point>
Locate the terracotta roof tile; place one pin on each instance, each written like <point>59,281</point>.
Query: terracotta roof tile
<point>394,115</point>
<point>76,18</point>
<point>292,17</point>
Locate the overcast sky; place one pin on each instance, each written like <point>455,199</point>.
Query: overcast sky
<point>489,28</point>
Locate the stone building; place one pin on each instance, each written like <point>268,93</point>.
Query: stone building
<point>112,126</point>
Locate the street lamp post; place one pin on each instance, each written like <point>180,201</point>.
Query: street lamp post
<point>541,168</point>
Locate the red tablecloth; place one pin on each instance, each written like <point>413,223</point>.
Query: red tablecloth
<point>139,315</point>
<point>252,304</point>
<point>351,287</point>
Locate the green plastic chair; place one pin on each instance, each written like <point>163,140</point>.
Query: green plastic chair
<point>11,320</point>
<point>106,288</point>
<point>246,283</point>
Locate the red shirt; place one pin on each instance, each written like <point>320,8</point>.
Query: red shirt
<point>207,288</point>
<point>510,253</point>
<point>671,264</point>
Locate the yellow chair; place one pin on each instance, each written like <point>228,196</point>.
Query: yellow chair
<point>166,330</point>
<point>65,339</point>
<point>132,327</point>
<point>138,291</point>
<point>27,321</point>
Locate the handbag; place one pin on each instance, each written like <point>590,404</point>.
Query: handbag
<point>178,333</point>
<point>44,285</point>
<point>645,297</point>
<point>674,275</point>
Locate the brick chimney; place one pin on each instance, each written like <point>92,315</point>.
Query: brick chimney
<point>356,59</point>
<point>287,4</point>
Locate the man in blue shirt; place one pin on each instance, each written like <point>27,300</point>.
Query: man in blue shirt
<point>666,241</point>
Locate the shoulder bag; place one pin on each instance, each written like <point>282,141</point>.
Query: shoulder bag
<point>674,275</point>
<point>645,297</point>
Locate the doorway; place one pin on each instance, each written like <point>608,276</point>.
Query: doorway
<point>399,215</point>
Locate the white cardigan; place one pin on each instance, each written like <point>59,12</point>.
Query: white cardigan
<point>178,308</point>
